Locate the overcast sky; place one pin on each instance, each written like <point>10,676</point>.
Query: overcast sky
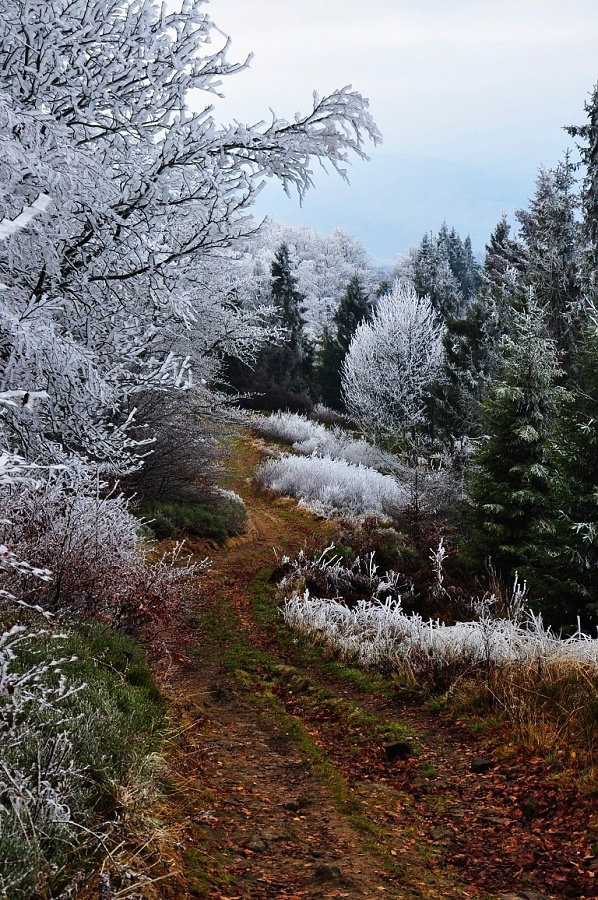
<point>471,97</point>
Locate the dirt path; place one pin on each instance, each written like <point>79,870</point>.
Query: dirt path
<point>284,786</point>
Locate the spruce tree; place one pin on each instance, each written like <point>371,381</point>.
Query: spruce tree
<point>353,309</point>
<point>471,342</point>
<point>550,233</point>
<point>569,573</point>
<point>457,396</point>
<point>588,150</point>
<point>445,270</point>
<point>281,377</point>
<point>510,508</point>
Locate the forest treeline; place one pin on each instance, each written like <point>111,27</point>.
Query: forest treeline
<point>490,364</point>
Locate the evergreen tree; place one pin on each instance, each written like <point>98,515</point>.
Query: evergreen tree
<point>471,343</point>
<point>551,236</point>
<point>569,573</point>
<point>457,396</point>
<point>445,270</point>
<point>510,508</point>
<point>588,150</point>
<point>353,309</point>
<point>287,300</point>
<point>282,374</point>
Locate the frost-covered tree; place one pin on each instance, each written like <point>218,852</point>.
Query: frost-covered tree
<point>323,266</point>
<point>94,112</point>
<point>550,232</point>
<point>472,343</point>
<point>391,364</point>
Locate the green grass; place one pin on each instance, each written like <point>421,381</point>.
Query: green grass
<point>217,520</point>
<point>104,734</point>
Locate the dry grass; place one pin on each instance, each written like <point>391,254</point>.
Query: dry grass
<point>551,708</point>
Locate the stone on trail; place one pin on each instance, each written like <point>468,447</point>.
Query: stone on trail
<point>256,844</point>
<point>327,872</point>
<point>480,765</point>
<point>398,750</point>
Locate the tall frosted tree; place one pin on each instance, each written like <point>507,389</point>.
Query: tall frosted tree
<point>391,364</point>
<point>102,300</point>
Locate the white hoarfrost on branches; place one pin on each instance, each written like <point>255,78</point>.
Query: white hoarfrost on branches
<point>94,115</point>
<point>334,486</point>
<point>378,633</point>
<point>391,363</point>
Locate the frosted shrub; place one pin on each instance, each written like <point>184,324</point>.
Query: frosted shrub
<point>233,508</point>
<point>436,485</point>
<point>40,782</point>
<point>93,548</point>
<point>79,723</point>
<point>379,634</point>
<point>311,438</point>
<point>333,486</point>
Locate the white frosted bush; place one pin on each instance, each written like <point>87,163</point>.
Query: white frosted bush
<point>311,438</point>
<point>334,486</point>
<point>379,634</point>
<point>438,483</point>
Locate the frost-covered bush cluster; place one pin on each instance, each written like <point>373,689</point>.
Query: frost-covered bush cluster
<point>93,549</point>
<point>334,486</point>
<point>311,438</point>
<point>377,633</point>
<point>435,484</point>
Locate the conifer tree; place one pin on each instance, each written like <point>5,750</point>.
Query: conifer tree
<point>353,309</point>
<point>568,578</point>
<point>550,234</point>
<point>281,376</point>
<point>588,150</point>
<point>471,342</point>
<point>445,270</point>
<point>510,508</point>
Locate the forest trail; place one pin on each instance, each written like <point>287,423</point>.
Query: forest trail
<point>283,789</point>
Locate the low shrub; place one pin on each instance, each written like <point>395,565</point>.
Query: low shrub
<point>333,486</point>
<point>310,438</point>
<point>377,633</point>
<point>95,554</point>
<point>79,717</point>
<point>435,485</point>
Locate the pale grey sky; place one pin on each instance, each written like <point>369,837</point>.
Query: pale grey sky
<point>471,97</point>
